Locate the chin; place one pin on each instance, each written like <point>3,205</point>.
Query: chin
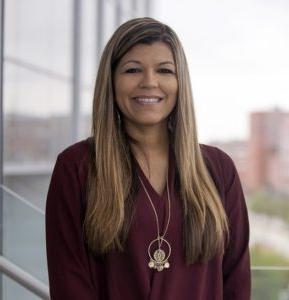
<point>150,122</point>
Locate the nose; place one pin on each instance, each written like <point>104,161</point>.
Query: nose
<point>149,79</point>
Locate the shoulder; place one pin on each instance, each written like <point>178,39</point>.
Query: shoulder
<point>220,165</point>
<point>69,178</point>
<point>76,153</point>
<point>216,156</point>
<point>73,162</point>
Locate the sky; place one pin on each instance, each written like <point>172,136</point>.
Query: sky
<point>237,53</point>
<point>238,59</point>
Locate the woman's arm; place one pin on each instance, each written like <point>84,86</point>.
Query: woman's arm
<point>236,260</point>
<point>68,268</point>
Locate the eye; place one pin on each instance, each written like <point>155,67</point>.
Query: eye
<point>132,70</point>
<point>166,71</point>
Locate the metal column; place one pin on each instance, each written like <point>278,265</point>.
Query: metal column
<point>1,133</point>
<point>148,8</point>
<point>118,13</point>
<point>99,29</point>
<point>134,8</point>
<point>76,71</point>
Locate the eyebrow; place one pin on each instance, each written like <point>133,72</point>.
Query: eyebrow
<point>138,62</point>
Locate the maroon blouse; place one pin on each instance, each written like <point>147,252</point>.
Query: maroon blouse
<point>75,274</point>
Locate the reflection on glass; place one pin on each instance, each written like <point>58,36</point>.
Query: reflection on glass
<point>23,239</point>
<point>12,290</point>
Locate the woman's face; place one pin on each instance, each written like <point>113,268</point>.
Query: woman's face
<point>145,84</point>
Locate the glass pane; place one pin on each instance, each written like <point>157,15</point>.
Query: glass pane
<point>36,129</point>
<point>269,225</point>
<point>270,284</point>
<point>12,290</point>
<point>37,92</point>
<point>38,33</point>
<point>24,235</point>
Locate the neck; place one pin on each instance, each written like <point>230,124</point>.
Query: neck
<point>149,141</point>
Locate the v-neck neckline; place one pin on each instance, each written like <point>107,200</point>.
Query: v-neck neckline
<point>146,182</point>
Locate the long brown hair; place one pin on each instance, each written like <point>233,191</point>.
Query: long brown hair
<point>110,185</point>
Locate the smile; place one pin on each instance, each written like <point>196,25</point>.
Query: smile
<point>145,100</point>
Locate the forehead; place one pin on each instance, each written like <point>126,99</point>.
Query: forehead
<point>157,51</point>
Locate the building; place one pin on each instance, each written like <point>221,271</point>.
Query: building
<point>262,161</point>
<point>268,151</point>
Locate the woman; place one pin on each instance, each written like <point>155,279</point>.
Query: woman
<point>140,209</point>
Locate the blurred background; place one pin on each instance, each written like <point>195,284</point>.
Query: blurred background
<point>239,66</point>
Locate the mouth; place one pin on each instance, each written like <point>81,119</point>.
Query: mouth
<point>147,100</point>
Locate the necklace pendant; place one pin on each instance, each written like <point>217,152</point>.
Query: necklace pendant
<point>158,264</point>
<point>159,255</point>
<point>159,259</point>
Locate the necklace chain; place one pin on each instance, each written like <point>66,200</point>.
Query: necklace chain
<point>159,260</point>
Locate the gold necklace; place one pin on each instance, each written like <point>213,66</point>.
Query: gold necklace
<point>159,260</point>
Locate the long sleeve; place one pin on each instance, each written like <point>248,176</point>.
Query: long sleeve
<point>68,267</point>
<point>236,260</point>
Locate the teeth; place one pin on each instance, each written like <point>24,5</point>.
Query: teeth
<point>147,100</point>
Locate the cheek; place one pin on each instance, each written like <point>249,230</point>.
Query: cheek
<point>172,88</point>
<point>174,93</point>
<point>119,91</point>
<point>123,88</point>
